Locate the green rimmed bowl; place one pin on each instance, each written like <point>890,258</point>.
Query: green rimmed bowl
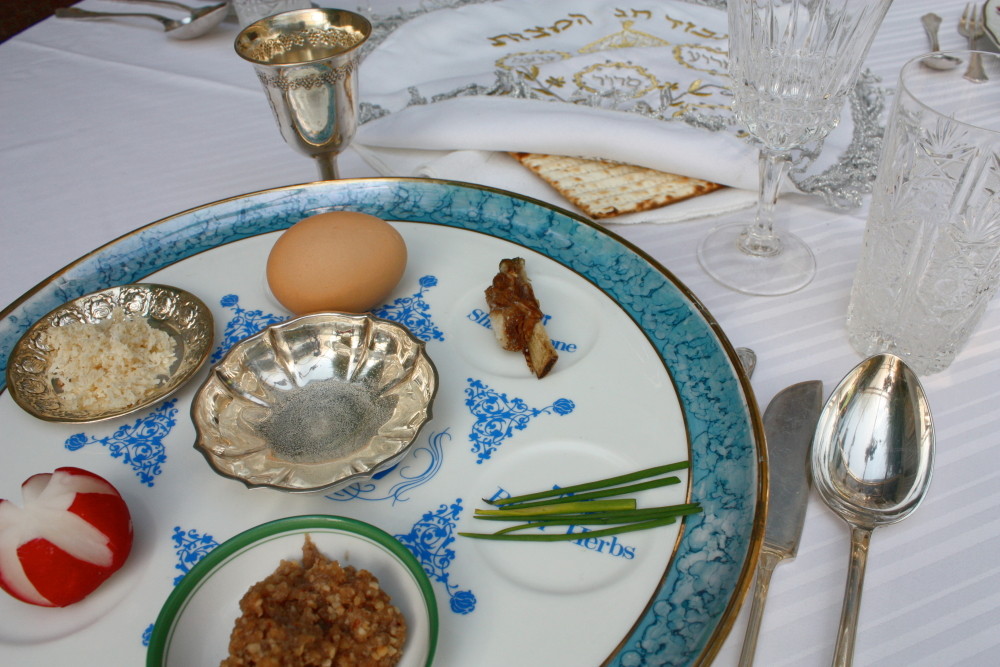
<point>194,625</point>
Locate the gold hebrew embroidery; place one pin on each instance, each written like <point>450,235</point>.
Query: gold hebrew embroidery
<point>614,82</point>
<point>702,58</point>
<point>516,61</point>
<point>602,77</point>
<point>693,29</point>
<point>539,32</point>
<point>635,13</point>
<point>624,39</point>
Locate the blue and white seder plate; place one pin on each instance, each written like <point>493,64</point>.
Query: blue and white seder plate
<point>645,377</point>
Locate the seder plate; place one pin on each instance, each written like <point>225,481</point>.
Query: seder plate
<point>645,377</point>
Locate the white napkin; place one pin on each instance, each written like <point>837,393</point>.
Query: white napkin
<point>645,86</point>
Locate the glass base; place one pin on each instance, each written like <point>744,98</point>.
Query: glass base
<point>787,271</point>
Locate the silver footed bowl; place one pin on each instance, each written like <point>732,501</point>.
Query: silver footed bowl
<point>315,403</point>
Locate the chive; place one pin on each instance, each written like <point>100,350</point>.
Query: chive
<point>544,523</point>
<point>566,537</point>
<point>582,505</point>
<point>591,495</point>
<point>564,508</point>
<point>669,512</point>
<point>590,486</point>
<point>621,516</point>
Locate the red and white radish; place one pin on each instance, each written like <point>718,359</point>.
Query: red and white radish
<point>73,531</point>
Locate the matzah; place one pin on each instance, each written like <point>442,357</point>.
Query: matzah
<point>603,189</point>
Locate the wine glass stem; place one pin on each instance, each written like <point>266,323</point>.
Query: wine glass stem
<point>328,167</point>
<point>759,239</point>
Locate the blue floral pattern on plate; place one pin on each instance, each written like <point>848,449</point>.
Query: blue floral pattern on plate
<point>420,467</point>
<point>497,417</point>
<point>139,445</point>
<point>695,606</point>
<point>430,541</point>
<point>241,324</point>
<point>414,312</point>
<point>190,547</point>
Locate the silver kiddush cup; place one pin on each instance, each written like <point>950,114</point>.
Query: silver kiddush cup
<point>307,61</point>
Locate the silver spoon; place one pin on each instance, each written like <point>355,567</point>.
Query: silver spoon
<point>196,24</point>
<point>937,60</point>
<point>871,463</point>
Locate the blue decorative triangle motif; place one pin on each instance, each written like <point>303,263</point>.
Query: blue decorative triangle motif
<point>430,540</point>
<point>497,417</point>
<point>140,445</point>
<point>413,312</point>
<point>190,547</point>
<point>243,323</point>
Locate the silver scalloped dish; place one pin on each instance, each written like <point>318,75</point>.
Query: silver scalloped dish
<point>183,316</point>
<point>315,402</point>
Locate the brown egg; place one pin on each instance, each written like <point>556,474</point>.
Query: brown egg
<point>341,261</point>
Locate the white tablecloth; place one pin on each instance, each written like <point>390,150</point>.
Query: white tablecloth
<point>104,128</point>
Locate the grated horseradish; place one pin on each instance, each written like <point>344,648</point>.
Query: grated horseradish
<point>109,365</point>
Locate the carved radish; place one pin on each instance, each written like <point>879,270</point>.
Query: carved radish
<point>72,533</point>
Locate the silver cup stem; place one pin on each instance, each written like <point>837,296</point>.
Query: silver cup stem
<point>328,170</point>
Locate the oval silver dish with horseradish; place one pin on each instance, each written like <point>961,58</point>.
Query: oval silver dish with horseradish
<point>110,353</point>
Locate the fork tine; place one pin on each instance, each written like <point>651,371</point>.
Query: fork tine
<point>967,24</point>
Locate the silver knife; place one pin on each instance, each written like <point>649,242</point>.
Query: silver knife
<point>789,424</point>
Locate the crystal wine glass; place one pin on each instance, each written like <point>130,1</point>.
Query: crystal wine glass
<point>307,62</point>
<point>792,64</point>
